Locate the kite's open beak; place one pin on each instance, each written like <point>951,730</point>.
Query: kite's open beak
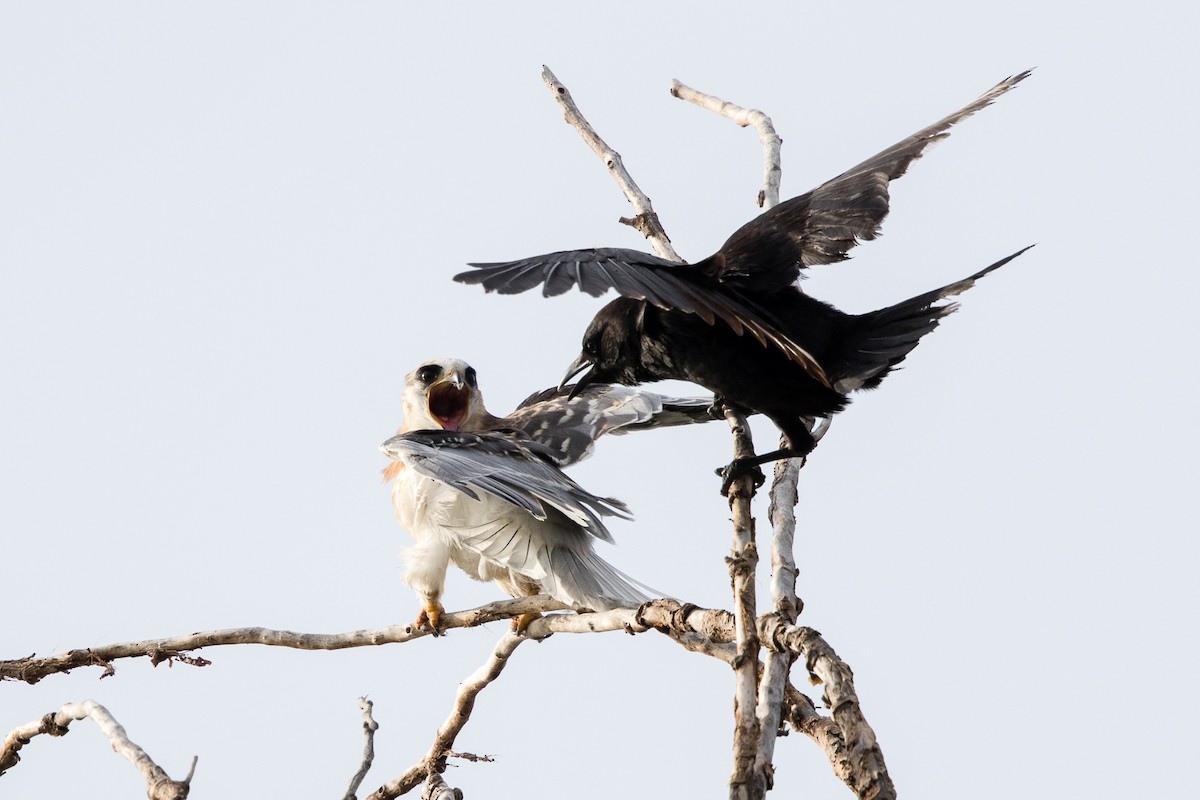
<point>449,401</point>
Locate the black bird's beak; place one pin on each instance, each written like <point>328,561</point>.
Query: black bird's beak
<point>577,366</point>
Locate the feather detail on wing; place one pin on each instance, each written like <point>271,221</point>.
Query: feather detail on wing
<point>821,226</point>
<point>641,276</point>
<point>548,552</point>
<point>569,427</point>
<point>507,465</point>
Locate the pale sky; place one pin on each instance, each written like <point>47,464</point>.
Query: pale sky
<point>229,230</point>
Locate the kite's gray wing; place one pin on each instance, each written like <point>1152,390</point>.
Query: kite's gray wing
<point>568,428</point>
<point>505,465</point>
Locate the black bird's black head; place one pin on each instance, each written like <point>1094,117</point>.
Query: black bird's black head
<point>611,347</point>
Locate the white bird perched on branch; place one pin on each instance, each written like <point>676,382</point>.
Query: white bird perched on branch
<point>487,493</point>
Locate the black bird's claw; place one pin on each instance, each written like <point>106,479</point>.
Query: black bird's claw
<point>740,468</point>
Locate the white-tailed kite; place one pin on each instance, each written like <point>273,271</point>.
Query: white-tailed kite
<point>487,494</point>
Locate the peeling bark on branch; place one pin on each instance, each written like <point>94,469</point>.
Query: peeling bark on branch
<point>670,616</point>
<point>787,607</point>
<point>868,776</point>
<point>436,788</point>
<point>709,631</point>
<point>769,709</point>
<point>742,562</point>
<point>803,717</point>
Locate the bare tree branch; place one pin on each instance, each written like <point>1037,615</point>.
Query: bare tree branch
<point>159,785</point>
<point>769,194</point>
<point>787,607</point>
<point>369,728</point>
<point>742,562</point>
<point>472,757</point>
<point>32,670</point>
<point>667,615</point>
<point>868,775</point>
<point>859,763</point>
<point>645,220</point>
<point>436,788</point>
<point>783,489</point>
<point>700,630</point>
<point>802,716</point>
<point>710,631</point>
<point>434,761</point>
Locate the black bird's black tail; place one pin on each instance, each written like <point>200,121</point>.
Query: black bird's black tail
<point>876,342</point>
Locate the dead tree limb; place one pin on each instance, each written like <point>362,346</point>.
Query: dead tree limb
<point>742,563</point>
<point>868,775</point>
<point>758,707</point>
<point>804,717</point>
<point>436,788</point>
<point>714,625</point>
<point>784,494</point>
<point>175,648</point>
<point>159,785</point>
<point>644,220</point>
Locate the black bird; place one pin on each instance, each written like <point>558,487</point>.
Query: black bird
<point>690,322</point>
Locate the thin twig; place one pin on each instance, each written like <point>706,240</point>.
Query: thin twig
<point>434,761</point>
<point>369,728</point>
<point>645,220</point>
<point>472,757</point>
<point>159,785</point>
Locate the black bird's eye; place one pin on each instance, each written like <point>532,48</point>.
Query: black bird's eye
<point>429,373</point>
<point>591,346</point>
<point>471,377</point>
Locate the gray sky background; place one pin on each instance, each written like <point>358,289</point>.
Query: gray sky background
<point>229,230</point>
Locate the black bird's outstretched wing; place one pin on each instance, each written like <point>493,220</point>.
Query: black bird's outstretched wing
<point>763,256</point>
<point>569,426</point>
<point>641,276</point>
<point>821,226</point>
<point>507,465</point>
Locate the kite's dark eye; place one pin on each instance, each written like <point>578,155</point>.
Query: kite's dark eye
<point>471,377</point>
<point>429,373</point>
